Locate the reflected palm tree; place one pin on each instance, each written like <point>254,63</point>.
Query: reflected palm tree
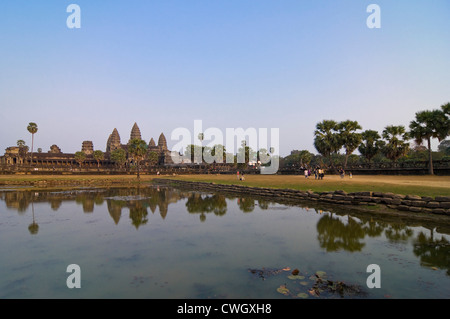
<point>138,215</point>
<point>33,228</point>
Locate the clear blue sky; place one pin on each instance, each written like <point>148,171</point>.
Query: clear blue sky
<point>284,64</point>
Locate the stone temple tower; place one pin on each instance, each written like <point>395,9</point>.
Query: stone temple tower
<point>162,143</point>
<point>113,141</point>
<point>87,147</point>
<point>135,132</point>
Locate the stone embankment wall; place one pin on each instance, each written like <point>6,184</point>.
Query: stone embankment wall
<point>412,203</point>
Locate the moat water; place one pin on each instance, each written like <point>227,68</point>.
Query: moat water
<point>160,242</point>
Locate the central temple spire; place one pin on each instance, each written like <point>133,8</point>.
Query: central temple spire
<point>135,132</point>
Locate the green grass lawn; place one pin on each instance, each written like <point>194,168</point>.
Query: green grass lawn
<point>423,185</point>
<point>407,185</point>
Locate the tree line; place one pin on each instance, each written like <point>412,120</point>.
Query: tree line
<point>330,137</point>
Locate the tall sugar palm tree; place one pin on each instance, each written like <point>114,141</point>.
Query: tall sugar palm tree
<point>396,145</point>
<point>32,128</point>
<point>326,139</point>
<point>371,144</point>
<point>350,139</point>
<point>137,149</point>
<point>428,125</point>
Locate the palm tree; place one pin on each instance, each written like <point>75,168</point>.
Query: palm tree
<point>428,125</point>
<point>326,140</point>
<point>372,144</point>
<point>137,149</point>
<point>349,138</point>
<point>395,146</point>
<point>32,128</point>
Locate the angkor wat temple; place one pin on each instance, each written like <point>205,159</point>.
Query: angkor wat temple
<point>55,159</point>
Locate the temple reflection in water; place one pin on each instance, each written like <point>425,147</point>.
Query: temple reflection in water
<point>337,230</point>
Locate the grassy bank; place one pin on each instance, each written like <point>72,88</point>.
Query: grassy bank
<point>407,185</point>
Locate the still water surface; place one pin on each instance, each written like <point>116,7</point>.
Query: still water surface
<point>160,242</point>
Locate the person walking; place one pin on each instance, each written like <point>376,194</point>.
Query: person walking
<point>306,173</point>
<point>238,175</point>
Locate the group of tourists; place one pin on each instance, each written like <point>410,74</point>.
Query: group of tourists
<point>319,173</point>
<point>240,176</point>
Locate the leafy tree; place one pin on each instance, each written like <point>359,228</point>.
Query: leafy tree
<point>396,145</point>
<point>23,149</point>
<point>98,156</point>
<point>152,158</point>
<point>21,143</point>
<point>32,128</point>
<point>371,144</point>
<point>119,156</point>
<point>444,147</point>
<point>80,157</point>
<point>137,149</point>
<point>218,152</point>
<point>326,139</point>
<point>298,158</point>
<point>192,150</point>
<point>349,138</point>
<point>245,152</point>
<point>446,109</point>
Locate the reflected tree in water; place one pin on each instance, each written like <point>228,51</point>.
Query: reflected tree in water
<point>334,235</point>
<point>396,232</point>
<point>263,204</point>
<point>33,228</point>
<point>246,204</point>
<point>138,214</point>
<point>373,228</point>
<point>203,204</point>
<point>432,252</point>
